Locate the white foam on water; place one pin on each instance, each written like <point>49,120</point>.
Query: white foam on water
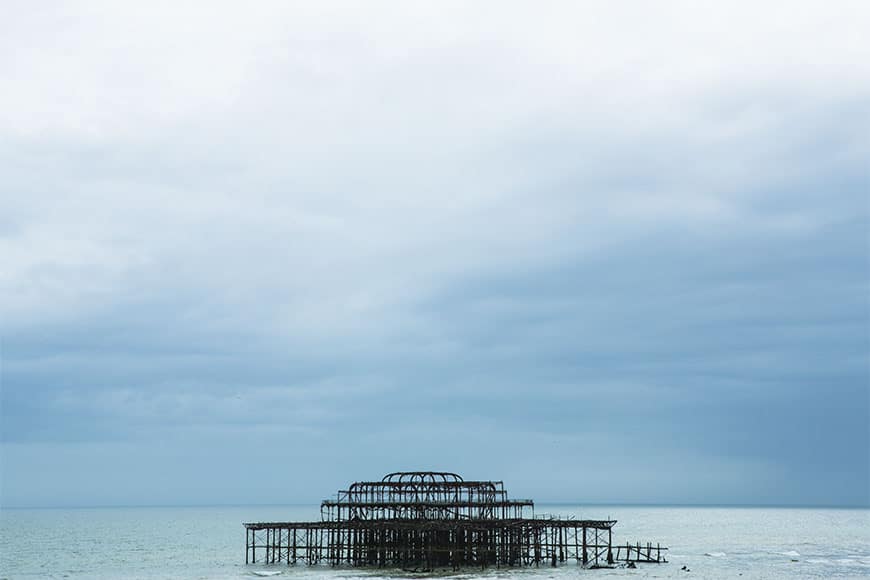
<point>715,554</point>
<point>790,553</point>
<point>845,561</point>
<point>266,573</point>
<point>836,562</point>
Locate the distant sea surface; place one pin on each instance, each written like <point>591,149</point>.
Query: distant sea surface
<point>209,542</point>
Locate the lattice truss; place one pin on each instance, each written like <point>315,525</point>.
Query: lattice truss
<point>424,496</point>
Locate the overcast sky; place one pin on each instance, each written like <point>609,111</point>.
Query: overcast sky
<point>605,252</point>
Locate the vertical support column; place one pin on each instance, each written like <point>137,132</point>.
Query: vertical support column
<point>610,546</point>
<point>576,546</point>
<point>253,546</point>
<point>585,557</point>
<point>551,532</point>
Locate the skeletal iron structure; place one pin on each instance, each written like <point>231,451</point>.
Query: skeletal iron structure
<point>431,519</point>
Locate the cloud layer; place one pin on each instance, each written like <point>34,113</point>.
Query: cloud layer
<point>612,253</point>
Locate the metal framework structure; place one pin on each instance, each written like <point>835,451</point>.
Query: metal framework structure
<point>426,520</point>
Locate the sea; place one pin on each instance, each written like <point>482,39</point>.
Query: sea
<point>209,543</point>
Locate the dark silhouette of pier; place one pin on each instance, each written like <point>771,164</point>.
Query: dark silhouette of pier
<point>425,519</point>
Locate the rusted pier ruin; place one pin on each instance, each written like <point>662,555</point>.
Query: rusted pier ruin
<point>426,520</point>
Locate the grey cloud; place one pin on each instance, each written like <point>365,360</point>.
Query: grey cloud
<point>504,254</point>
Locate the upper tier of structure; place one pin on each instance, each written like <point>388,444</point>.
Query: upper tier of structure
<point>430,495</point>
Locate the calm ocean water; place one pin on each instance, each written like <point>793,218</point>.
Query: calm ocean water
<point>204,543</point>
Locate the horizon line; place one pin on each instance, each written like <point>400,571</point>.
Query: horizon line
<point>537,503</point>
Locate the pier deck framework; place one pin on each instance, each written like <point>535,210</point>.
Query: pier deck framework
<point>427,520</point>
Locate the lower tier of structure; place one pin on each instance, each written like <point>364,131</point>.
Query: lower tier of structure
<point>428,544</point>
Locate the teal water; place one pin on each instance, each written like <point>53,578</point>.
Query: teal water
<point>209,543</point>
